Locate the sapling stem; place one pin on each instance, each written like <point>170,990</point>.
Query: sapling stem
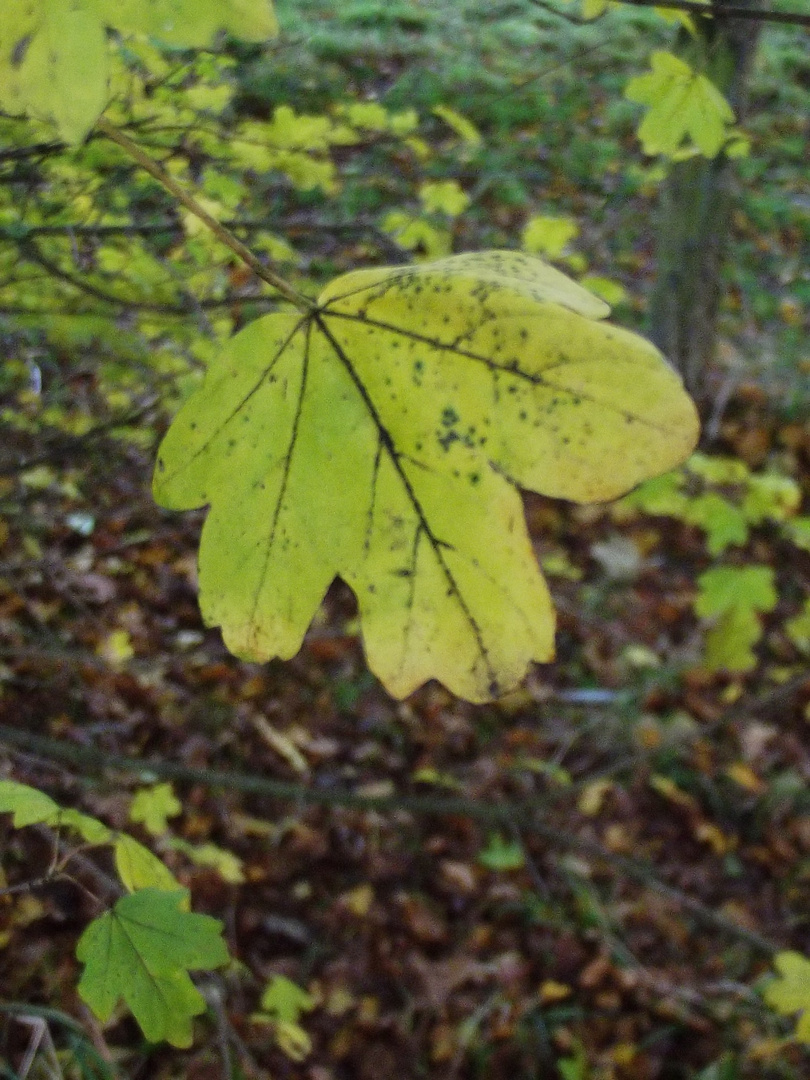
<point>303,303</point>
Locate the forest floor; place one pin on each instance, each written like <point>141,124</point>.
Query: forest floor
<point>586,879</point>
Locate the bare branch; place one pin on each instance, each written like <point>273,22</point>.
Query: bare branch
<point>303,303</point>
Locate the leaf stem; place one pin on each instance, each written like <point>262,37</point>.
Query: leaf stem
<point>303,303</point>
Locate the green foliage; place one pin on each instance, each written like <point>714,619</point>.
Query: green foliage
<point>548,235</point>
<point>378,436</point>
<point>723,498</point>
<point>789,993</point>
<point>282,999</point>
<point>143,948</point>
<point>153,806</point>
<point>282,1004</point>
<point>733,596</point>
<point>575,1066</point>
<point>54,55</point>
<point>683,106</point>
<point>31,807</point>
<point>28,806</point>
<point>226,864</point>
<point>798,629</point>
<point>142,951</point>
<point>138,868</point>
<point>726,500</point>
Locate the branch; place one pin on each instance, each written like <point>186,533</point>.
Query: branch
<point>301,223</point>
<point>181,311</point>
<point>56,449</point>
<point>725,11</point>
<point>504,813</point>
<point>29,250</point>
<point>21,153</point>
<point>303,303</point>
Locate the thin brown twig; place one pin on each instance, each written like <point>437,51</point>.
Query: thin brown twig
<point>497,812</point>
<point>303,303</point>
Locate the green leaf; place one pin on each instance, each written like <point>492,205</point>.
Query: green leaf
<point>733,595</point>
<point>548,235</point>
<point>798,531</point>
<point>89,828</point>
<point>54,53</point>
<point>789,993</point>
<point>285,1000</point>
<point>718,470</point>
<point>662,495</point>
<point>382,438</point>
<point>726,588</point>
<point>293,1040</point>
<point>682,105</point>
<point>730,641</point>
<point>142,951</point>
<point>29,806</point>
<point>191,24</point>
<point>138,868</point>
<point>32,807</point>
<point>444,197</point>
<point>771,497</point>
<point>464,128</point>
<point>723,522</point>
<point>227,865</point>
<point>153,807</point>
<point>500,854</point>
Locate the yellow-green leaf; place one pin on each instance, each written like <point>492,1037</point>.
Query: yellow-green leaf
<point>731,639</point>
<point>32,807</point>
<point>153,806</point>
<point>283,999</point>
<point>382,438</point>
<point>191,23</point>
<point>89,828</point>
<point>138,868</point>
<point>227,865</point>
<point>464,128</point>
<point>54,53</point>
<point>681,105</point>
<point>789,993</point>
<point>798,628</point>
<point>544,235</point>
<point>28,805</point>
<point>444,197</point>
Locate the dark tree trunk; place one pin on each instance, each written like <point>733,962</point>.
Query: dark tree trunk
<point>693,218</point>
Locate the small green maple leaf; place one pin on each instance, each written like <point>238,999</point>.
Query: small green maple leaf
<point>681,105</point>
<point>153,806</point>
<point>138,868</point>
<point>733,596</point>
<point>285,1000</point>
<point>29,806</point>
<point>724,523</point>
<point>789,993</point>
<point>142,951</point>
<point>32,807</point>
<point>548,235</point>
<point>725,588</point>
<point>444,197</point>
